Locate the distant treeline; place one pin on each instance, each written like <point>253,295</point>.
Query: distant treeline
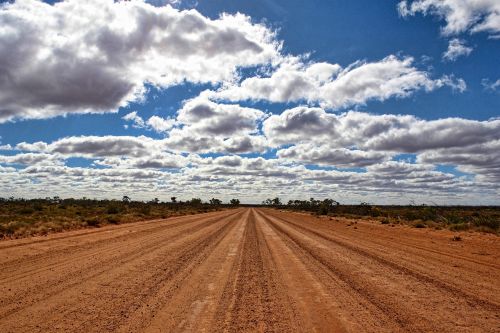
<point>125,199</point>
<point>482,218</point>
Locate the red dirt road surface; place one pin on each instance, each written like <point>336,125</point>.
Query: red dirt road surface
<point>251,270</point>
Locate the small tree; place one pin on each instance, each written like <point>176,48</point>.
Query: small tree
<point>173,199</point>
<point>276,201</point>
<point>234,202</point>
<point>195,201</point>
<point>272,202</point>
<point>215,201</point>
<point>125,199</point>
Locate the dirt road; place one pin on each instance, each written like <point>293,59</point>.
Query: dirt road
<point>248,270</point>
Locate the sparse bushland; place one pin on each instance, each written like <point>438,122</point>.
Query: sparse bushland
<point>21,217</point>
<point>456,218</point>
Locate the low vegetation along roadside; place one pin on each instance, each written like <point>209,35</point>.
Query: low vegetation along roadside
<point>457,218</point>
<point>21,217</point>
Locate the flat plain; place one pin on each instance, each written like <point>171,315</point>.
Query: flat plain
<point>251,269</point>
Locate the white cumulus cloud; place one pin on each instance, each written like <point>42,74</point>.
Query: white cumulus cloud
<point>456,48</point>
<point>460,15</point>
<point>332,86</point>
<point>154,123</point>
<point>97,55</point>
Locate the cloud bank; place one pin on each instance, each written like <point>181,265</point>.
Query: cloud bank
<point>77,57</point>
<point>103,59</point>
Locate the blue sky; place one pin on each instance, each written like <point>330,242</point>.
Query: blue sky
<point>393,111</point>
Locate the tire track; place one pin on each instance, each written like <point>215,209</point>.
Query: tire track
<point>313,258</point>
<point>472,299</point>
<point>111,245</point>
<point>159,288</point>
<point>87,273</point>
<point>246,270</point>
<point>309,292</point>
<point>196,298</point>
<point>251,299</point>
<point>408,246</point>
<point>75,249</point>
<point>392,284</point>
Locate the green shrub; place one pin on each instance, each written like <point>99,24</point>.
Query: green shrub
<point>454,219</point>
<point>93,222</point>
<point>411,215</point>
<point>491,223</point>
<point>323,210</point>
<point>38,207</point>
<point>376,212</point>
<point>460,227</point>
<point>145,210</point>
<point>112,209</point>
<point>26,211</point>
<point>486,229</point>
<point>112,219</point>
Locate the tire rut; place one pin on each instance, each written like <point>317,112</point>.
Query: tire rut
<point>385,295</point>
<point>76,249</point>
<point>473,300</point>
<point>316,262</point>
<point>247,270</point>
<point>251,299</point>
<point>109,265</point>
